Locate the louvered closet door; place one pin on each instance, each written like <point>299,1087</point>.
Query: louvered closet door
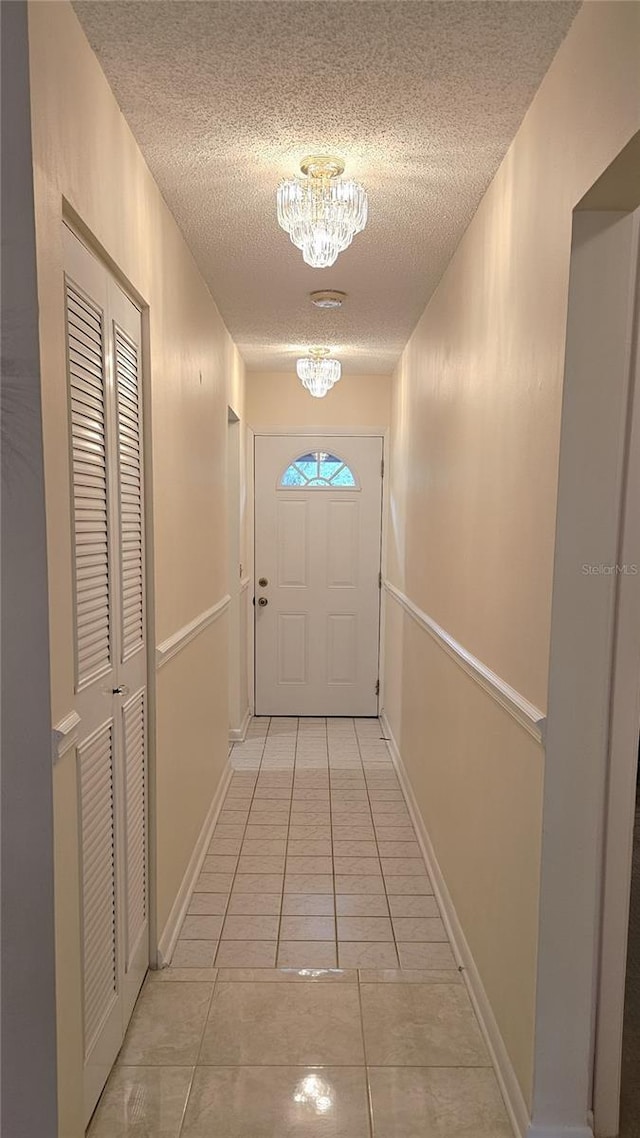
<point>129,587</point>
<point>105,421</point>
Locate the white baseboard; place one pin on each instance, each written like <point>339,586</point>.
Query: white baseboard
<point>509,1085</point>
<point>169,936</point>
<point>559,1131</point>
<point>239,734</point>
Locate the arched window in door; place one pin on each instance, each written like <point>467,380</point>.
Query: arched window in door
<point>318,469</point>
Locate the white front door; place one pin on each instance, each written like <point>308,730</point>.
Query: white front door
<point>104,376</point>
<point>318,510</point>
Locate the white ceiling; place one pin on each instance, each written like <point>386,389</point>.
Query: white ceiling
<point>420,98</point>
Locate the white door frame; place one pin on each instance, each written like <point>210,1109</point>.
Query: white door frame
<point>593,458</point>
<point>247,582</point>
<point>621,790</point>
<point>310,430</point>
<point>233,562</point>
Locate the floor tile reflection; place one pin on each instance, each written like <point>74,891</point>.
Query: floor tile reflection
<point>312,990</point>
<point>290,1102</point>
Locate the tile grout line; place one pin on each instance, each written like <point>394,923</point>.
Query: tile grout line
<point>364,1053</point>
<point>384,880</point>
<point>333,859</point>
<point>361,772</point>
<point>286,847</point>
<point>199,1051</point>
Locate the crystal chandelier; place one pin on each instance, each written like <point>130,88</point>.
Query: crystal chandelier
<point>321,211</point>
<point>317,372</point>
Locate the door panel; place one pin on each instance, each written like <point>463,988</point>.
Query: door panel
<point>105,418</point>
<point>342,541</point>
<point>133,731</point>
<point>129,542</point>
<point>101,979</point>
<point>130,494</point>
<point>292,551</point>
<point>87,397</point>
<point>292,648</point>
<point>318,546</point>
<point>97,803</point>
<point>342,639</point>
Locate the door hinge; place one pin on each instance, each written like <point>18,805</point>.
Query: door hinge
<point>377,687</point>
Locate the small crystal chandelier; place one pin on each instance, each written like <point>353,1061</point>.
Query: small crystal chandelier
<point>321,211</point>
<point>317,372</point>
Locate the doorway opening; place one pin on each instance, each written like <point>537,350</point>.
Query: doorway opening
<point>594,679</point>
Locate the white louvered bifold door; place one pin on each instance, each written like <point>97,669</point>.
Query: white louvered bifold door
<point>131,658</point>
<point>99,892</point>
<point>107,515</point>
<point>87,389</point>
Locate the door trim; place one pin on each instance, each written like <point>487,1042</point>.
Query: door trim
<point>376,432</point>
<point>620,807</point>
<point>593,439</point>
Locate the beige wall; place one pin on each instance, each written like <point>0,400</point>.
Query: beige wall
<point>278,399</point>
<point>85,153</point>
<point>475,435</point>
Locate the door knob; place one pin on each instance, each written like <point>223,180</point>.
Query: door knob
<point>122,690</point>
<point>263,582</point>
<point>262,601</point>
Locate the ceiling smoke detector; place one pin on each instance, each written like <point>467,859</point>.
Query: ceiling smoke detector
<point>328,298</point>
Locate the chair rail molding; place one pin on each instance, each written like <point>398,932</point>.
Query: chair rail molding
<point>174,644</point>
<point>64,735</point>
<point>525,713</point>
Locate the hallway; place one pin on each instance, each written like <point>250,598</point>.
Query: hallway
<point>313,868</point>
<point>320,396</point>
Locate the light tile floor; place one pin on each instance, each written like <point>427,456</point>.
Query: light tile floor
<point>314,860</point>
<point>312,991</point>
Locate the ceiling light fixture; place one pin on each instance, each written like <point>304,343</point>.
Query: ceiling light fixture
<point>328,298</point>
<point>318,372</point>
<point>321,211</point>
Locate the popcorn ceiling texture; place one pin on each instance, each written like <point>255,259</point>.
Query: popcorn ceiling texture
<point>421,99</point>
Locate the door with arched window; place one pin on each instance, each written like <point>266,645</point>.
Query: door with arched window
<point>317,574</point>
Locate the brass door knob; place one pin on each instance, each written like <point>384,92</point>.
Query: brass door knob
<point>262,601</point>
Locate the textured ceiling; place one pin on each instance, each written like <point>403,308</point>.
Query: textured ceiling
<point>420,98</point>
